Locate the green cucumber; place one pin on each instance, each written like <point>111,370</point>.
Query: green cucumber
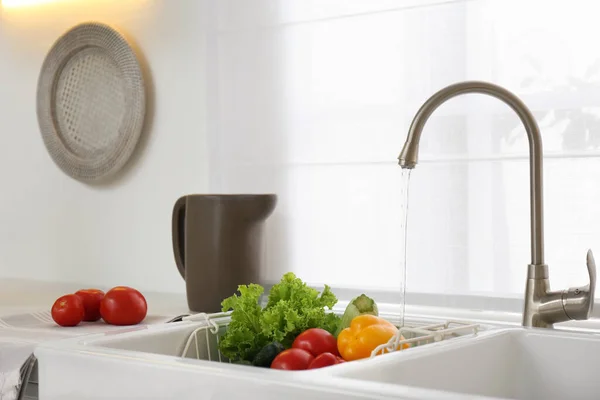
<point>267,354</point>
<point>362,304</point>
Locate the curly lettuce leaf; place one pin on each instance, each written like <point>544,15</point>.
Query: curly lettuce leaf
<point>292,308</point>
<point>243,339</point>
<point>279,320</point>
<point>294,290</point>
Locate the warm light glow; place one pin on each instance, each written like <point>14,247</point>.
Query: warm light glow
<point>56,16</point>
<point>12,4</point>
<point>23,3</point>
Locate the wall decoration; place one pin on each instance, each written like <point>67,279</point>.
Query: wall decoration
<point>91,102</point>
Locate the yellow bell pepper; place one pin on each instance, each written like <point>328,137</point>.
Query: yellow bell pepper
<point>365,333</point>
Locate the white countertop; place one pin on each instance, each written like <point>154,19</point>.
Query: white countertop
<point>25,320</point>
<point>24,296</point>
<point>19,296</point>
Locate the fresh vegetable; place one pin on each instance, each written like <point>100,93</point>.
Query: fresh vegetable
<point>362,304</point>
<point>365,333</point>
<point>267,354</point>
<point>292,308</point>
<point>316,341</point>
<point>292,360</point>
<point>324,360</point>
<point>68,310</point>
<point>91,302</point>
<point>123,305</point>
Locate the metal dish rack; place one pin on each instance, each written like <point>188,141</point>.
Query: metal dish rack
<point>203,342</point>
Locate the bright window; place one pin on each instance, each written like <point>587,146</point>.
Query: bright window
<point>312,101</point>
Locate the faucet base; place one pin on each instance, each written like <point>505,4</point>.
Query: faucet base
<point>536,290</point>
<point>543,308</point>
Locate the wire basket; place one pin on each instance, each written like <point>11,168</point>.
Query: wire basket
<point>203,342</point>
<point>408,337</point>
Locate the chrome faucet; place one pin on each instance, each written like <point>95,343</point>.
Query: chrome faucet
<point>543,307</point>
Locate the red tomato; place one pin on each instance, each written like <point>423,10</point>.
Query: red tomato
<point>341,360</point>
<point>91,302</point>
<point>68,310</point>
<point>316,341</point>
<point>292,360</point>
<point>123,305</point>
<point>323,360</point>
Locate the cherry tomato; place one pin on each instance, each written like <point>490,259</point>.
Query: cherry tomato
<point>68,310</point>
<point>91,302</point>
<point>123,305</point>
<point>292,360</point>
<point>316,341</point>
<point>324,360</point>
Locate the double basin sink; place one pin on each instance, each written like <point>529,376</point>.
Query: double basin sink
<point>508,363</point>
<point>497,362</point>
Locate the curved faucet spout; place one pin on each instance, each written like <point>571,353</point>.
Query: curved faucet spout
<point>542,307</point>
<point>409,156</point>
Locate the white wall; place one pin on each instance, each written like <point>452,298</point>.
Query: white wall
<point>315,98</point>
<point>55,228</point>
<point>311,99</point>
<point>314,102</point>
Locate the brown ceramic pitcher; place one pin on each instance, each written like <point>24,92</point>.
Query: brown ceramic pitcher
<point>217,241</point>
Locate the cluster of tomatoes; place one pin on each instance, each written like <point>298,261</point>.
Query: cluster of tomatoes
<point>313,348</point>
<point>121,305</point>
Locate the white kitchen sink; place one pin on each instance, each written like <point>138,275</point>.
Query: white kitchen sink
<point>154,362</point>
<point>510,364</point>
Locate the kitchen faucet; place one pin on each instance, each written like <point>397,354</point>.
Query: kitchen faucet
<point>543,307</point>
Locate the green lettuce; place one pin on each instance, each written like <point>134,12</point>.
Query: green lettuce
<point>292,308</point>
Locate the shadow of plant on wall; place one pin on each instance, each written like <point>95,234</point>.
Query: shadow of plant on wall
<point>578,122</point>
<point>582,130</point>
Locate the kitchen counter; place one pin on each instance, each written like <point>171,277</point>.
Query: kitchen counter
<point>19,296</point>
<point>24,296</point>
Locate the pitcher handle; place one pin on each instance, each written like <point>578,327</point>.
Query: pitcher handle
<point>178,234</point>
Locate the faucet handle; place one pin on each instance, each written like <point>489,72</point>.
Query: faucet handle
<point>591,264</point>
<point>578,302</point>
